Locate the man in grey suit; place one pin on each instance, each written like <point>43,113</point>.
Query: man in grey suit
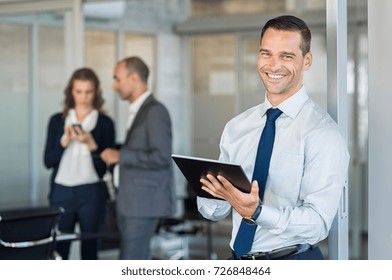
<point>145,185</point>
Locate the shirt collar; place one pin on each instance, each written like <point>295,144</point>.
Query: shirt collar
<point>135,105</point>
<point>291,106</point>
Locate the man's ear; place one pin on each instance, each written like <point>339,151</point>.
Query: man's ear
<point>134,76</point>
<point>308,60</point>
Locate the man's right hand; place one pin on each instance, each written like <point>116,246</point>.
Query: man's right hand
<point>244,203</point>
<point>110,156</point>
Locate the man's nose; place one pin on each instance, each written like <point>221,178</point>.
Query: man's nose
<point>274,63</point>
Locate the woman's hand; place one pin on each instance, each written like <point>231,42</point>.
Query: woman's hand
<point>73,133</point>
<point>86,137</point>
<point>67,136</point>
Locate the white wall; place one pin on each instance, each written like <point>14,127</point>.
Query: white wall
<point>380,130</point>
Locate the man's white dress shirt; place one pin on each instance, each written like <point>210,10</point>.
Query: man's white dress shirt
<point>307,172</point>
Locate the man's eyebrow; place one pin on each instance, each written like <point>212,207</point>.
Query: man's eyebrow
<point>288,53</point>
<point>264,50</point>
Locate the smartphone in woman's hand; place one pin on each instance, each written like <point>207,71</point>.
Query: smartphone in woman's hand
<point>75,126</point>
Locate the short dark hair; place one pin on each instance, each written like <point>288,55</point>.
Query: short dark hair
<point>135,64</point>
<point>290,23</point>
<point>83,74</point>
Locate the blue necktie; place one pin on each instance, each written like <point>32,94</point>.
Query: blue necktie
<point>244,239</point>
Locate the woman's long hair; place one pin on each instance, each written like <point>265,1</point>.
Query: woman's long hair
<point>83,74</point>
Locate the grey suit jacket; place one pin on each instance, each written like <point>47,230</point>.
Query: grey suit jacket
<point>146,176</point>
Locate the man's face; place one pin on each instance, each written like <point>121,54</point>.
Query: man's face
<point>122,82</point>
<point>281,63</point>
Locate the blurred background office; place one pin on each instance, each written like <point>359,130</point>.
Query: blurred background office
<point>203,60</point>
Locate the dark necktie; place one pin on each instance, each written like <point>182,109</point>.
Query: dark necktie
<point>244,239</point>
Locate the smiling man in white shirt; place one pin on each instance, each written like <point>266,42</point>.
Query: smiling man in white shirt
<point>308,165</point>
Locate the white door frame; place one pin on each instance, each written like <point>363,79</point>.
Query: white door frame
<point>337,108</point>
<point>73,23</point>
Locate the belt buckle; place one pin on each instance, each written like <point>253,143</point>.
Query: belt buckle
<point>253,256</point>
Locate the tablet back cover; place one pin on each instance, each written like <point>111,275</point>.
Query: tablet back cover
<point>194,168</point>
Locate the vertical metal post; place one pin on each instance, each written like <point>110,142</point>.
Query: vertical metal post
<point>239,54</point>
<point>120,109</point>
<point>33,115</point>
<point>337,108</point>
<point>355,179</point>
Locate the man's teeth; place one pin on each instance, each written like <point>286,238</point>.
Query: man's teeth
<point>275,76</point>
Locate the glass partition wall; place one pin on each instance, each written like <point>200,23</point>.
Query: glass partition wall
<point>15,113</point>
<point>32,80</point>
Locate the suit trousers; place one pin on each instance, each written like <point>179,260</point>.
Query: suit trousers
<point>86,205</point>
<point>136,234</point>
<point>314,253</point>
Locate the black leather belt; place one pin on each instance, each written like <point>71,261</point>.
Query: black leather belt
<point>277,254</point>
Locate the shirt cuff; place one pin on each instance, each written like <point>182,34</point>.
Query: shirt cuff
<point>269,216</point>
<point>212,209</point>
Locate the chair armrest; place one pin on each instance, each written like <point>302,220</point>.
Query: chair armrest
<point>61,236</point>
<point>26,244</point>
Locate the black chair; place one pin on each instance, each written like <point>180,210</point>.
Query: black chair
<point>28,233</point>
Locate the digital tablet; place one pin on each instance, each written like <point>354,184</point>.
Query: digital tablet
<point>194,168</point>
